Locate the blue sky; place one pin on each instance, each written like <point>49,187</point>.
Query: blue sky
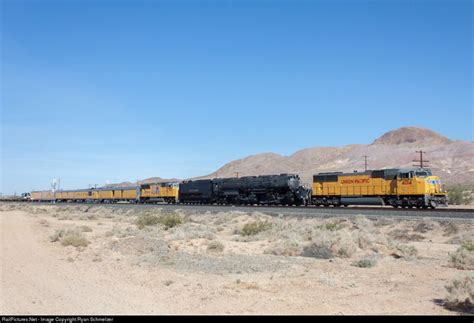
<point>96,91</point>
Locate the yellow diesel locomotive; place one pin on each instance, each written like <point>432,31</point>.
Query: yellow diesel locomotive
<point>400,187</point>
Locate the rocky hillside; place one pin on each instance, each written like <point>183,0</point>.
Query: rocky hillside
<point>412,135</point>
<point>452,160</point>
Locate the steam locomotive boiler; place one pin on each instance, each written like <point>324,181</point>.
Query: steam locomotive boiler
<point>268,189</point>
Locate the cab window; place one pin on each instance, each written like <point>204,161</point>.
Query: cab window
<point>405,175</point>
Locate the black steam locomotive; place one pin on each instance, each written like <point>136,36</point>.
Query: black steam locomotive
<point>281,189</point>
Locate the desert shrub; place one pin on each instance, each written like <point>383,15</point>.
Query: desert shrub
<point>147,220</point>
<point>450,229</point>
<point>169,220</point>
<point>459,238</point>
<point>285,248</point>
<point>85,228</point>
<point>459,194</point>
<point>362,223</point>
<point>321,249</point>
<point>463,258</point>
<point>191,230</point>
<point>57,235</point>
<point>425,226</point>
<point>75,239</point>
<point>345,248</point>
<point>364,240</point>
<point>254,228</point>
<point>364,263</point>
<point>381,222</point>
<point>404,235</point>
<point>455,196</point>
<point>88,216</point>
<point>215,246</point>
<point>461,294</point>
<point>468,245</point>
<point>331,226</point>
<point>328,244</point>
<point>120,233</point>
<point>405,252</point>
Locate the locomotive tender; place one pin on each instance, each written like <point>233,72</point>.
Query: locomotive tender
<point>401,187</point>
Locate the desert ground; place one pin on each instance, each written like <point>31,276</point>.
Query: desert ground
<point>90,259</point>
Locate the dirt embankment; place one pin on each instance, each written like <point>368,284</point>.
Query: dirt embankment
<point>97,260</point>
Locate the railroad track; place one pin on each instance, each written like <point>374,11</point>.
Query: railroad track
<point>305,211</point>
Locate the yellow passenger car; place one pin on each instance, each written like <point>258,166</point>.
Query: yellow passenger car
<point>405,187</point>
<point>115,194</point>
<point>74,195</point>
<point>38,196</point>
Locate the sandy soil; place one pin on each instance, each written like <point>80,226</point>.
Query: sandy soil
<point>154,270</point>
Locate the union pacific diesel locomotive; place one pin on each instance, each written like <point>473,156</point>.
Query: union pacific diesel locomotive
<point>401,187</point>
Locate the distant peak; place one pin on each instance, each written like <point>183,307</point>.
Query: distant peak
<point>408,135</point>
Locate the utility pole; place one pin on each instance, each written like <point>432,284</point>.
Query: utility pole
<point>365,158</point>
<point>421,161</point>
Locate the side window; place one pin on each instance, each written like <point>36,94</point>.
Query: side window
<point>404,175</point>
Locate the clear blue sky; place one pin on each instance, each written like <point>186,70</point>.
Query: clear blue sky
<point>96,91</point>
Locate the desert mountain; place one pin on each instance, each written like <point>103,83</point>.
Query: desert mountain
<point>452,160</point>
<point>412,135</point>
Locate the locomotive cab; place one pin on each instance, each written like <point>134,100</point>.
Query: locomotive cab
<point>420,184</point>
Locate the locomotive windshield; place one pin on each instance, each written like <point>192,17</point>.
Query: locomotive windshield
<point>423,173</point>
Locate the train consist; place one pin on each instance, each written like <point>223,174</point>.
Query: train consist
<point>401,187</point>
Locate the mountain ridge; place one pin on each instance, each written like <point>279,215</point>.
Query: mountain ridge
<point>452,160</point>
